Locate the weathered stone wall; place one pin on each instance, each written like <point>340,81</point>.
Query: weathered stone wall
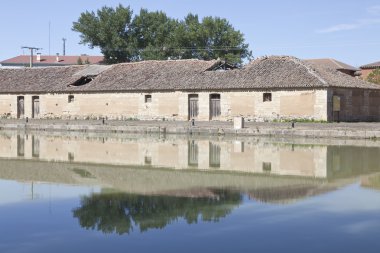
<point>356,105</point>
<point>365,73</point>
<point>292,104</point>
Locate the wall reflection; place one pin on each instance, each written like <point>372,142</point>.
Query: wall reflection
<point>249,155</point>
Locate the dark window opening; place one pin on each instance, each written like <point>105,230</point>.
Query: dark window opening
<point>70,156</point>
<point>70,99</point>
<point>267,167</point>
<point>82,81</point>
<point>148,98</point>
<point>222,66</point>
<point>148,160</point>
<point>267,97</point>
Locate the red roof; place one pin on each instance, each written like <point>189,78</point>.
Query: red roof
<point>51,60</point>
<point>374,65</point>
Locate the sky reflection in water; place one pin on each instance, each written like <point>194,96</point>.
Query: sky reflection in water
<point>280,195</point>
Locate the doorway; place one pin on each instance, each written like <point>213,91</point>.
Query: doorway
<point>20,107</point>
<point>215,106</point>
<point>35,107</point>
<point>193,106</point>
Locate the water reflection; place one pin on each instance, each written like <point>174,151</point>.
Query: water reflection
<point>306,158</point>
<point>272,189</point>
<point>120,212</point>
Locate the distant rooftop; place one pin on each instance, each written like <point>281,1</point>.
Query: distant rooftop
<point>332,63</point>
<point>51,60</point>
<point>374,65</point>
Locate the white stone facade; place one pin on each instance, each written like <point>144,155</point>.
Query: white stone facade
<point>288,104</point>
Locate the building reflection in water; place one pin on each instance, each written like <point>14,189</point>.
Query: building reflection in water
<point>248,155</point>
<point>149,182</point>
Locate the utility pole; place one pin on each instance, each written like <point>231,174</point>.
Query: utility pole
<point>31,54</point>
<point>64,46</point>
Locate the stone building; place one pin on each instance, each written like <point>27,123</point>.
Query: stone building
<point>39,60</point>
<point>335,64</point>
<point>270,88</point>
<point>369,68</point>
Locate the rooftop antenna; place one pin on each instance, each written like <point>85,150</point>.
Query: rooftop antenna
<point>49,37</point>
<point>31,54</point>
<point>64,46</point>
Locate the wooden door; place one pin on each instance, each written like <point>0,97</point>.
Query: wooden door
<point>193,106</point>
<point>215,111</point>
<point>36,107</point>
<point>20,107</point>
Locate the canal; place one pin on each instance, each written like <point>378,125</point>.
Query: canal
<point>76,192</point>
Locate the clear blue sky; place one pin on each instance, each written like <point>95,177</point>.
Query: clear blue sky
<point>348,30</point>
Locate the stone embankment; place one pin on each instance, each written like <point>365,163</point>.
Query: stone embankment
<point>310,130</point>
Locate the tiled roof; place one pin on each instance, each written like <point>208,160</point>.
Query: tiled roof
<point>270,73</point>
<point>374,65</point>
<point>46,60</point>
<point>332,63</point>
<point>38,80</point>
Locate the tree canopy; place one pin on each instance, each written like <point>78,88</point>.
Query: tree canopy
<point>374,76</point>
<point>123,36</point>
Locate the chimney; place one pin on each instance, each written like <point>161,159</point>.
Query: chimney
<point>38,57</point>
<point>57,57</point>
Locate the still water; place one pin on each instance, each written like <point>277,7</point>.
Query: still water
<point>132,193</point>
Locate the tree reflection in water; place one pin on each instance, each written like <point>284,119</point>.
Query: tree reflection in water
<point>120,212</point>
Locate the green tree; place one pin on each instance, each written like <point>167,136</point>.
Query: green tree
<point>374,76</point>
<point>213,38</point>
<point>155,36</point>
<point>109,29</point>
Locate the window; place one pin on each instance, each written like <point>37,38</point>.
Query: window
<point>148,98</point>
<point>267,166</point>
<point>148,160</point>
<point>267,97</point>
<point>70,99</point>
<point>70,156</point>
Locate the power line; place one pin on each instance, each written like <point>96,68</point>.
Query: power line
<point>32,49</point>
<point>156,49</point>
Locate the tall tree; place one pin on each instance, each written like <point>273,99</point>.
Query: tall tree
<point>153,35</point>
<point>110,30</point>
